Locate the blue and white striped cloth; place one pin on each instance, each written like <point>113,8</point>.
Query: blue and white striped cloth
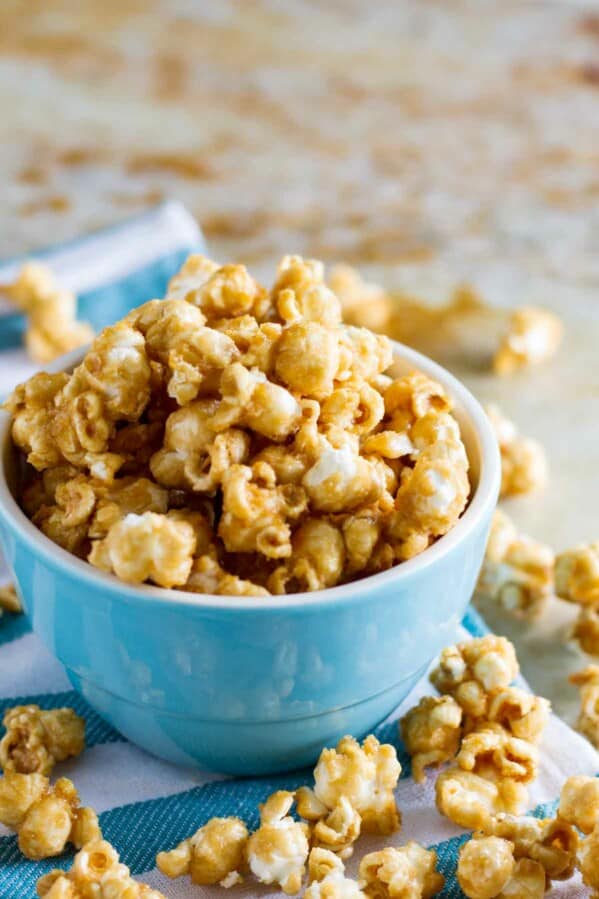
<point>146,805</point>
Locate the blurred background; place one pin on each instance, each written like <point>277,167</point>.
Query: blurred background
<point>427,143</point>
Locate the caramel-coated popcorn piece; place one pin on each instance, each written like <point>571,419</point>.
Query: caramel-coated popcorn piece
<point>32,406</point>
<point>9,599</point>
<point>317,558</point>
<point>523,460</point>
<point>528,881</point>
<point>35,740</point>
<point>497,755</point>
<point>485,866</point>
<point>520,712</point>
<point>363,304</point>
<point>45,817</point>
<point>96,873</point>
<point>470,800</point>
<point>209,577</point>
<point>340,480</point>
<point>278,850</point>
<point>587,861</point>
<point>301,294</point>
<point>588,717</point>
<point>579,802</point>
<point>307,359</point>
<point>336,830</point>
<point>367,776</point>
<point>551,842</point>
<point>214,854</point>
<point>472,670</point>
<point>404,873</point>
<point>517,571</point>
<point>326,874</point>
<point>533,335</point>
<point>431,732</point>
<point>152,547</point>
<point>586,629</point>
<point>577,574</point>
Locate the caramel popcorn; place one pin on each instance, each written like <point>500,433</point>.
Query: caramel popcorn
<point>485,866</point>
<point>366,775</point>
<point>520,712</point>
<point>577,574</point>
<point>52,328</point>
<point>326,873</point>
<point>551,842</point>
<point>9,599</point>
<point>96,873</point>
<point>586,630</point>
<point>336,830</point>
<point>587,861</point>
<point>497,755</point>
<point>579,802</point>
<point>278,850</point>
<point>533,335</point>
<point>35,740</point>
<point>45,817</point>
<point>472,670</point>
<point>310,465</point>
<point>588,718</point>
<point>517,571</point>
<point>214,854</point>
<point>528,881</point>
<point>523,460</point>
<point>431,732</point>
<point>363,304</point>
<point>470,800</point>
<point>404,873</point>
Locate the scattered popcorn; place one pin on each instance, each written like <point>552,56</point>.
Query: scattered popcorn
<point>258,409</point>
<point>336,830</point>
<point>52,328</point>
<point>470,800</point>
<point>496,755</point>
<point>96,873</point>
<point>214,854</point>
<point>588,718</point>
<point>519,712</point>
<point>485,867</point>
<point>404,873</point>
<point>527,882</point>
<point>517,571</point>
<point>551,842</point>
<point>533,336</point>
<point>278,850</point>
<point>431,732</point>
<point>579,802</point>
<point>9,599</point>
<point>366,776</point>
<point>326,873</point>
<point>577,574</point>
<point>523,461</point>
<point>472,670</point>
<point>586,630</point>
<point>35,740</point>
<point>45,817</point>
<point>587,861</point>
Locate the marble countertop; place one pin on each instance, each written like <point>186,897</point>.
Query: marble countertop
<point>425,142</point>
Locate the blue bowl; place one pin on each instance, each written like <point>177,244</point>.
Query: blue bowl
<point>253,685</point>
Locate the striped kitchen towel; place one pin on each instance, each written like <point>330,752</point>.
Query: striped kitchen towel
<point>146,805</point>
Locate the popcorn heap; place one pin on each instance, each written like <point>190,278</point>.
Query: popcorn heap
<point>234,440</point>
<point>489,727</point>
<point>52,328</point>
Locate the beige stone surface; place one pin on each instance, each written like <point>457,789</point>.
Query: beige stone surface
<point>426,142</point>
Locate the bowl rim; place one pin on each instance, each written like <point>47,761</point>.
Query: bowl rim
<point>481,503</point>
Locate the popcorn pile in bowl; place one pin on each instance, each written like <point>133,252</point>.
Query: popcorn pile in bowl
<point>234,440</point>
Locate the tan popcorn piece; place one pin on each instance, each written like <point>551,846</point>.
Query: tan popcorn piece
<point>96,873</point>
<point>145,547</point>
<point>431,732</point>
<point>32,406</point>
<point>588,717</point>
<point>496,755</point>
<point>517,571</point>
<point>519,712</point>
<point>577,574</point>
<point>586,630</point>
<point>587,861</point>
<point>278,850</point>
<point>470,800</point>
<point>551,842</point>
<point>523,460</point>
<point>404,873</point>
<point>45,817</point>
<point>533,336</point>
<point>485,867</point>
<point>326,874</point>
<point>335,830</point>
<point>317,558</point>
<point>214,854</point>
<point>52,328</point>
<point>35,740</point>
<point>9,599</point>
<point>474,669</point>
<point>363,304</point>
<point>209,577</point>
<point>367,776</point>
<point>579,802</point>
<point>528,881</point>
<point>300,293</point>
